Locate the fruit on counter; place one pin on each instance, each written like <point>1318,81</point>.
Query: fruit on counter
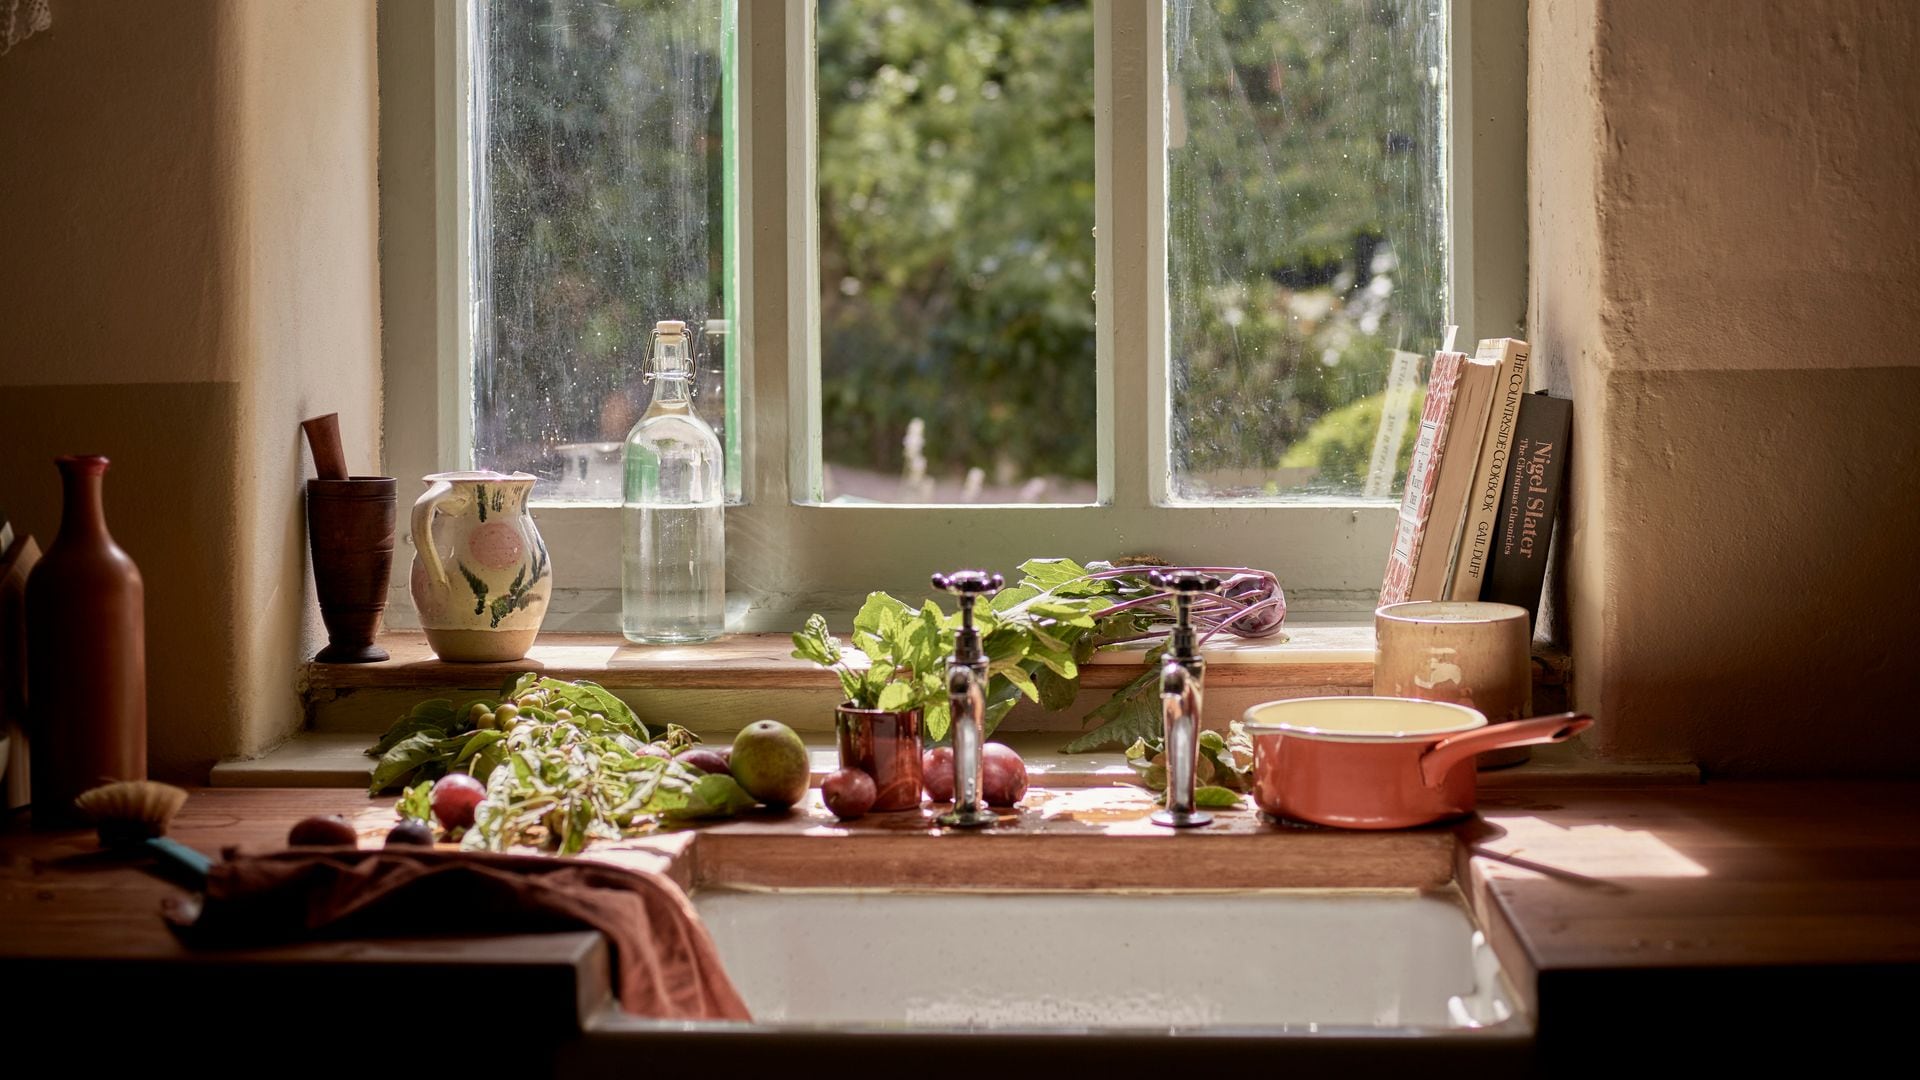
<point>706,759</point>
<point>331,830</point>
<point>848,793</point>
<point>770,762</point>
<point>410,832</point>
<point>1003,776</point>
<point>455,797</point>
<point>936,773</point>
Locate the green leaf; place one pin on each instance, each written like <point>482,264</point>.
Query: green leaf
<point>897,697</point>
<point>416,802</point>
<point>714,796</point>
<point>419,753</point>
<point>1057,692</point>
<point>1012,596</point>
<point>1023,681</point>
<point>937,719</point>
<point>475,743</point>
<point>435,715</point>
<point>1132,713</point>
<point>405,728</point>
<point>1212,797</point>
<point>1052,573</point>
<point>814,643</point>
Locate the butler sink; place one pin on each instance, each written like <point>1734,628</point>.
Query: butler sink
<point>1079,935</point>
<point>1375,960</point>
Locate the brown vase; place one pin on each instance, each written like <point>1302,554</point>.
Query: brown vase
<point>86,654</point>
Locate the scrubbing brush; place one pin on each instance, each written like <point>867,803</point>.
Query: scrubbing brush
<point>136,813</point>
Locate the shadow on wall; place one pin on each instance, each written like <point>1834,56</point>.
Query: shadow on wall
<point>169,503</point>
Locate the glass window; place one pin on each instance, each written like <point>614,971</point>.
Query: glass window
<point>956,210</point>
<point>603,158</point>
<point>1305,241</point>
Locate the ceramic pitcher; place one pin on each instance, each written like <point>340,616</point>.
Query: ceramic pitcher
<point>481,580</point>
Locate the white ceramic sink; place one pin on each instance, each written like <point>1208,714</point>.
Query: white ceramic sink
<point>1380,960</point>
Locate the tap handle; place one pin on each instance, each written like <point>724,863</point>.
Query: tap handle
<point>1186,583</point>
<point>969,585</point>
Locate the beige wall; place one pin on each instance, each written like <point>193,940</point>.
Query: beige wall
<point>190,266</point>
<point>1726,250</point>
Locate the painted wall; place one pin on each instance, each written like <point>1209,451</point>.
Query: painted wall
<point>1726,251</point>
<point>190,262</point>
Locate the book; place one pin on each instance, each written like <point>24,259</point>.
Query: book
<point>1416,502</point>
<point>1529,501</point>
<point>1453,476</point>
<point>1509,356</point>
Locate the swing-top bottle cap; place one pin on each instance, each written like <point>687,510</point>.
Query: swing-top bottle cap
<point>670,353</point>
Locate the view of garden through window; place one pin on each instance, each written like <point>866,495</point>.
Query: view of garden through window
<point>956,164</point>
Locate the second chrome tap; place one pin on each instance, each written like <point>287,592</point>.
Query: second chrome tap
<point>1181,674</point>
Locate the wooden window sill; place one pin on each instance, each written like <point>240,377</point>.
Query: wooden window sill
<point>1329,655</point>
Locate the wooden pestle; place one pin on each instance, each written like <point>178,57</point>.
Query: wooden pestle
<point>323,438</point>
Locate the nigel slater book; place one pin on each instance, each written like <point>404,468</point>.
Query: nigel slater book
<point>1529,499</point>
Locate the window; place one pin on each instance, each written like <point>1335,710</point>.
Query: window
<point>972,281</point>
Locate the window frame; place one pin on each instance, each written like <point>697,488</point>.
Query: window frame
<point>788,554</point>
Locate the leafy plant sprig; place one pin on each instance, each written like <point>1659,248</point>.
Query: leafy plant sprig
<point>1037,633</point>
<point>570,764</point>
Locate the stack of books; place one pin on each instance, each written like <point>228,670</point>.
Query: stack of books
<point>1489,463</point>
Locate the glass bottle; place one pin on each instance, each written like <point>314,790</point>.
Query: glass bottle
<point>673,535</point>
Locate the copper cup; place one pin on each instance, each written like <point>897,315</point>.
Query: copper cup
<point>886,746</point>
<point>350,530</point>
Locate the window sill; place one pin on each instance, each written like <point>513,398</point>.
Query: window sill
<point>717,688</point>
<point>1328,655</point>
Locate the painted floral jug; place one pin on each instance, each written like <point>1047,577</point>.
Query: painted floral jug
<point>481,580</point>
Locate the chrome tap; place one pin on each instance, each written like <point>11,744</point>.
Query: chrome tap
<point>966,697</point>
<point>1180,677</point>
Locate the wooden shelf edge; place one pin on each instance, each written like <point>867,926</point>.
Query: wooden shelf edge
<point>1313,656</point>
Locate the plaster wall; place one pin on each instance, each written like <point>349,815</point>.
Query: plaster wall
<point>190,266</point>
<point>1726,246</point>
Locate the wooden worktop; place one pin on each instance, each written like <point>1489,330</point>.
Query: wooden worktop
<point>1588,894</point>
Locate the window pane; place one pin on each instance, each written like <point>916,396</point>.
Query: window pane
<point>1305,239</point>
<point>956,166</point>
<point>603,202</point>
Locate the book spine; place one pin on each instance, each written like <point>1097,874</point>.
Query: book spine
<point>1416,504</point>
<point>1483,499</point>
<point>1517,563</point>
<point>1433,573</point>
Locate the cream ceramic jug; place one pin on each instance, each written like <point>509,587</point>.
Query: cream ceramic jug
<point>481,580</point>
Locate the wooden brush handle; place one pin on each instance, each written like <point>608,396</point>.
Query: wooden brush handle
<point>323,438</point>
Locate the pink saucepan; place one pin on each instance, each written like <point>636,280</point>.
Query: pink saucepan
<point>1379,762</point>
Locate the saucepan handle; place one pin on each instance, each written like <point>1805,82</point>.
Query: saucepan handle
<point>1445,754</point>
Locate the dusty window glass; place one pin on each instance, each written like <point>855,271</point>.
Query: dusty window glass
<point>1306,259</point>
<point>604,163</point>
<point>956,209</point>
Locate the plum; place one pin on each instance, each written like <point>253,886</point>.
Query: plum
<point>329,831</point>
<point>410,832</point>
<point>936,773</point>
<point>706,760</point>
<point>455,797</point>
<point>1003,776</point>
<point>849,793</point>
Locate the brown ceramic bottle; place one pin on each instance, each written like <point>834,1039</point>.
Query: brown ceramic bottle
<point>86,653</point>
